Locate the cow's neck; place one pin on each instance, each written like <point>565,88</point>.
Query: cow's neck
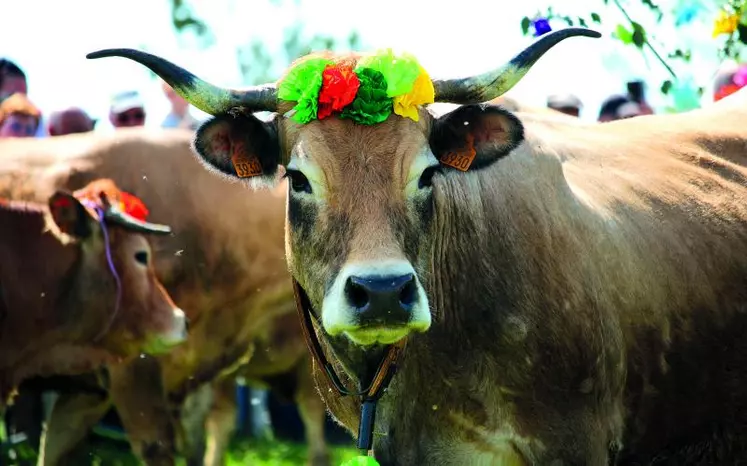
<point>43,287</point>
<point>458,379</point>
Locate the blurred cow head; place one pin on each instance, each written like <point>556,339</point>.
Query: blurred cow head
<point>129,311</point>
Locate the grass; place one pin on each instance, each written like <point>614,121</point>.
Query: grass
<point>107,452</point>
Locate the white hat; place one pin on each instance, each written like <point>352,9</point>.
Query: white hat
<point>125,101</point>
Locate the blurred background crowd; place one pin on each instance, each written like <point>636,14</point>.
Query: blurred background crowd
<point>19,117</point>
<point>48,89</point>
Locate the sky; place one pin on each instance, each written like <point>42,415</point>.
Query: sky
<point>49,40</point>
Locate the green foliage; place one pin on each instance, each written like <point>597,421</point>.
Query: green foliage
<point>256,64</point>
<point>183,20</point>
<point>633,33</point>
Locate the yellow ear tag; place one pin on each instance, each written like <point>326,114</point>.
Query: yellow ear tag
<point>244,165</point>
<point>462,159</point>
<point>361,461</point>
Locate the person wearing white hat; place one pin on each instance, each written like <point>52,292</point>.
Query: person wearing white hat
<point>565,103</point>
<point>127,109</point>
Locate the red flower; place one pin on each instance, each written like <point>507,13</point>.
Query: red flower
<point>134,206</point>
<point>726,90</point>
<point>339,86</point>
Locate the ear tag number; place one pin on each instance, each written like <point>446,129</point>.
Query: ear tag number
<point>245,166</point>
<point>461,159</point>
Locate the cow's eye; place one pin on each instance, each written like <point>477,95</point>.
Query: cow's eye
<point>426,178</point>
<point>142,257</point>
<point>298,181</point>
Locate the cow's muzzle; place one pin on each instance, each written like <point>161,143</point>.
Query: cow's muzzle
<point>376,304</point>
<point>381,301</point>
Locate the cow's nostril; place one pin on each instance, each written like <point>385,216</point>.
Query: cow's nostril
<point>407,294</point>
<point>356,295</point>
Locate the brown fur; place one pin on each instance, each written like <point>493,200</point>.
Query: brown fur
<point>588,290</point>
<point>49,319</point>
<point>226,268</point>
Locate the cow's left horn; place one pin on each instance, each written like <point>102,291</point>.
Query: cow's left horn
<point>131,223</point>
<point>203,95</point>
<point>494,83</point>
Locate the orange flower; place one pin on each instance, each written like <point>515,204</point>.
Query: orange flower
<point>132,205</point>
<point>339,87</point>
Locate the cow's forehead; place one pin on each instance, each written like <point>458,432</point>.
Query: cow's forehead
<point>340,145</point>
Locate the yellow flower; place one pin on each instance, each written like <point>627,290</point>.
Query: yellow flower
<point>726,23</point>
<point>422,93</point>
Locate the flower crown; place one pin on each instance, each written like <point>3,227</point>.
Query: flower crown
<point>379,84</point>
<point>738,81</point>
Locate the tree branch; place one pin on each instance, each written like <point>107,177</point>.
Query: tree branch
<point>646,41</point>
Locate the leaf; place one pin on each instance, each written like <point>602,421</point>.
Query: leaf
<point>583,22</point>
<point>568,20</point>
<point>525,23</point>
<point>742,30</point>
<point>596,18</point>
<point>622,33</point>
<point>639,35</point>
<point>666,86</point>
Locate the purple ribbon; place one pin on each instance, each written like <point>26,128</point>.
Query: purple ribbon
<point>110,262</point>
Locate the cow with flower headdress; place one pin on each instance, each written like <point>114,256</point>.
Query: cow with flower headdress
<point>480,287</point>
<point>77,286</point>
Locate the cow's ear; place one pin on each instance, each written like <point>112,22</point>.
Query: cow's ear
<point>240,146</point>
<point>70,215</point>
<point>472,137</point>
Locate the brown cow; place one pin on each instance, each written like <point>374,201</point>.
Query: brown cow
<point>236,292</point>
<point>574,294</point>
<point>77,287</point>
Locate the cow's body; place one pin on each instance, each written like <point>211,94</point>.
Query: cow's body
<point>234,290</point>
<point>567,293</point>
<point>59,304</point>
<point>597,298</point>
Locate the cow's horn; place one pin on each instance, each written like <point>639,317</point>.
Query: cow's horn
<point>129,222</point>
<point>488,86</point>
<point>203,95</point>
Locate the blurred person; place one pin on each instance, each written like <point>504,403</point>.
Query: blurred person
<point>12,79</point>
<point>637,93</point>
<point>18,117</point>
<point>618,107</point>
<point>70,121</point>
<point>179,116</point>
<point>565,103</point>
<point>127,110</point>
<point>729,79</point>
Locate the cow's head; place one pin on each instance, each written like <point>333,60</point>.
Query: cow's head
<point>128,310</point>
<point>361,182</point>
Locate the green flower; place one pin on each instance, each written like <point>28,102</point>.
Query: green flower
<point>302,85</point>
<point>399,72</point>
<point>371,104</point>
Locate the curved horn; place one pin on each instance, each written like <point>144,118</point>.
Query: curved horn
<point>131,223</point>
<point>488,86</point>
<point>203,95</point>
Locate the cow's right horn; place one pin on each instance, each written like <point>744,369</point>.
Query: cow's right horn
<point>203,95</point>
<point>494,83</point>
